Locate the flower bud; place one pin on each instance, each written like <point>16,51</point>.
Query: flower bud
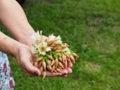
<point>59,54</point>
<point>50,68</point>
<point>50,57</point>
<point>48,62</point>
<point>61,65</point>
<point>50,42</point>
<point>75,55</point>
<point>65,63</point>
<point>41,69</point>
<point>52,63</point>
<point>52,45</point>
<point>53,68</point>
<point>58,70</point>
<point>55,48</point>
<point>72,59</point>
<point>65,45</point>
<point>44,65</point>
<point>69,64</point>
<point>56,63</point>
<point>38,59</point>
<point>60,59</point>
<point>59,48</point>
<point>39,64</point>
<point>65,57</point>
<point>68,57</point>
<point>35,63</point>
<point>58,51</point>
<point>44,74</point>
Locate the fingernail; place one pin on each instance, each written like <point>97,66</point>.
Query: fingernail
<point>65,76</point>
<point>64,72</point>
<point>36,73</point>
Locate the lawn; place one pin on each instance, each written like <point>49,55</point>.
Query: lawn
<point>92,28</point>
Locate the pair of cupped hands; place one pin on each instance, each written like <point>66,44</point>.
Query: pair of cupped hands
<point>25,59</point>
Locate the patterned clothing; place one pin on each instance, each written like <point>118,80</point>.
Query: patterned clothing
<point>6,79</point>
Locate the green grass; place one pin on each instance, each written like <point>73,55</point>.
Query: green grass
<point>92,28</point>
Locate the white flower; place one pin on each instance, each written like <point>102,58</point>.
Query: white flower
<point>35,48</point>
<point>67,51</point>
<point>39,44</point>
<point>37,36</point>
<point>43,48</point>
<point>58,40</point>
<point>51,37</point>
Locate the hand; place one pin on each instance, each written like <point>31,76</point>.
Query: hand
<point>24,58</point>
<point>29,57</point>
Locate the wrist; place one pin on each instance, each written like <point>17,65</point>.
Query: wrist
<point>15,48</point>
<point>9,45</point>
<point>26,39</point>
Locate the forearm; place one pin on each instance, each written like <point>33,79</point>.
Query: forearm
<point>8,45</point>
<point>14,19</point>
<point>21,52</point>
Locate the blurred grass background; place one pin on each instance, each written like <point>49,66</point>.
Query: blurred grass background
<point>92,28</point>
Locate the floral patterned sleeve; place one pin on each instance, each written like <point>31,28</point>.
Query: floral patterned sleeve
<point>6,79</point>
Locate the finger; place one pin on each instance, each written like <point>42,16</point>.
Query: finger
<point>69,70</point>
<point>52,74</point>
<point>27,73</point>
<point>32,69</point>
<point>65,72</point>
<point>65,76</point>
<point>70,65</point>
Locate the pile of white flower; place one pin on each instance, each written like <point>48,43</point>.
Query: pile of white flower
<point>51,54</point>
